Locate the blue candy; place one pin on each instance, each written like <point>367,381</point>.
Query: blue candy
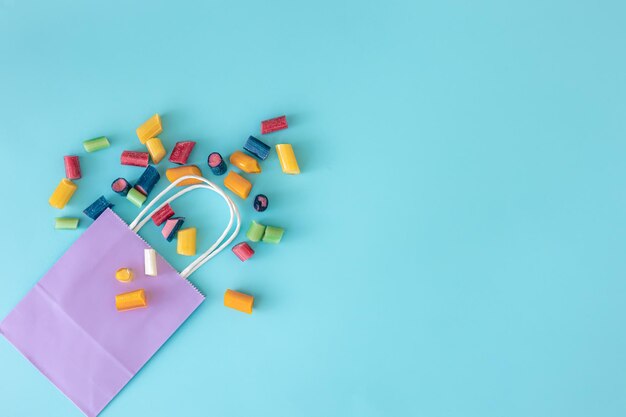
<point>97,207</point>
<point>148,180</point>
<point>257,148</point>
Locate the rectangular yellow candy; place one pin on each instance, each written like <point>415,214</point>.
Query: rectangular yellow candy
<point>131,300</point>
<point>156,150</point>
<point>62,194</point>
<point>187,241</point>
<point>287,159</point>
<point>237,184</point>
<point>150,128</point>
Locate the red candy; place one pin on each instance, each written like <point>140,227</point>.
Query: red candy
<point>181,152</point>
<point>162,214</point>
<point>72,167</point>
<point>243,251</point>
<point>272,125</point>
<point>136,159</point>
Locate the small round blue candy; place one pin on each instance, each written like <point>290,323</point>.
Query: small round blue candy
<point>261,202</point>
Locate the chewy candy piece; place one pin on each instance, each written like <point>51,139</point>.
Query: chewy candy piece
<point>124,275</point>
<point>237,184</point>
<point>273,234</point>
<point>187,242</point>
<point>162,214</point>
<point>272,125</point>
<point>96,144</point>
<point>121,186</point>
<point>287,159</point>
<point>136,197</point>
<point>66,223</point>
<point>150,262</point>
<point>156,150</point>
<point>217,164</point>
<point>62,194</point>
<point>255,231</point>
<point>181,152</point>
<point>243,251</point>
<point>131,300</point>
<point>72,167</point>
<point>136,159</point>
<point>238,301</point>
<point>171,227</point>
<point>148,180</point>
<point>261,202</point>
<point>150,128</point>
<point>257,148</point>
<point>173,174</point>
<point>245,163</point>
<point>97,208</point>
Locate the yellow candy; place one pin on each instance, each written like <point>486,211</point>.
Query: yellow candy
<point>131,300</point>
<point>173,174</point>
<point>287,159</point>
<point>245,163</point>
<point>150,128</point>
<point>124,275</point>
<point>62,194</point>
<point>239,301</point>
<point>237,184</point>
<point>156,150</point>
<point>187,241</point>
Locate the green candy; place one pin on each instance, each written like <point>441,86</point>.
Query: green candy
<point>136,197</point>
<point>273,234</point>
<point>66,223</point>
<point>255,232</point>
<point>96,144</point>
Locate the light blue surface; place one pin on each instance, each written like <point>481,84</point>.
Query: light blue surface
<point>455,243</point>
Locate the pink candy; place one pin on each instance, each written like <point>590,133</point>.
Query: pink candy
<point>243,251</point>
<point>72,167</point>
<point>162,214</point>
<point>137,159</point>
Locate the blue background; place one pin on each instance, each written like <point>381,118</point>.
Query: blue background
<point>454,245</point>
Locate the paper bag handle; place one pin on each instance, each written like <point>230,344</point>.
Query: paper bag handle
<point>219,244</point>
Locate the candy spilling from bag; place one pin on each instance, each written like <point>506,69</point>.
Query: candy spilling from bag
<point>171,227</point>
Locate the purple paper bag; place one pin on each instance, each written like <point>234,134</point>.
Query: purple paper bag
<point>69,328</point>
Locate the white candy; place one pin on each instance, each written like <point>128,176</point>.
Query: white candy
<point>150,262</point>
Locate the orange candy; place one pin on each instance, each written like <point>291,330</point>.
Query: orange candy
<point>131,300</point>
<point>237,184</point>
<point>238,301</point>
<point>173,174</point>
<point>245,162</point>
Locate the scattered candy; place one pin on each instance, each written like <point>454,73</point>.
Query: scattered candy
<point>97,208</point>
<point>273,234</point>
<point>136,197</point>
<point>237,184</point>
<point>255,232</point>
<point>173,174</point>
<point>257,148</point>
<point>96,144</point>
<point>272,125</point>
<point>131,300</point>
<point>148,180</point>
<point>261,202</point>
<point>124,275</point>
<point>72,167</point>
<point>121,186</point>
<point>287,159</point>
<point>187,241</point>
<point>162,214</point>
<point>245,163</point>
<point>136,159</point>
<point>156,150</point>
<point>62,194</point>
<point>243,251</point>
<point>181,152</point>
<point>238,301</point>
<point>66,223</point>
<point>217,164</point>
<point>150,262</point>
<point>151,128</point>
<point>171,227</point>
